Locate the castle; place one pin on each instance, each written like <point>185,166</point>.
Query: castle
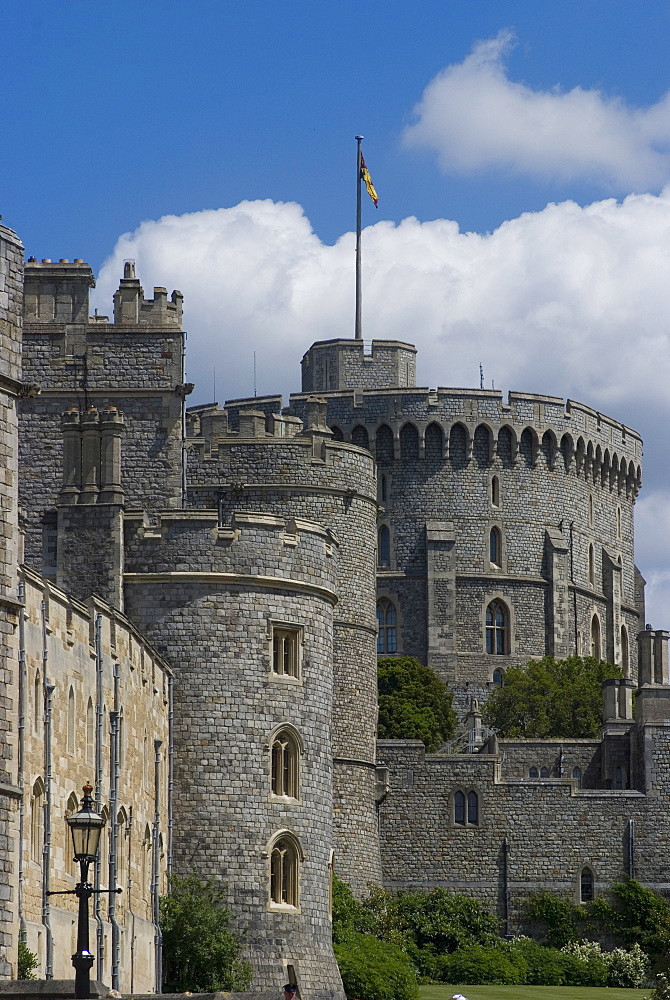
<point>193,600</point>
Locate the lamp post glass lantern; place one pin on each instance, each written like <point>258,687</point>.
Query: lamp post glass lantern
<point>85,827</point>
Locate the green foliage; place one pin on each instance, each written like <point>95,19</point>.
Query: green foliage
<point>476,965</point>
<point>586,965</point>
<point>544,966</point>
<point>661,990</point>
<point>414,703</point>
<point>200,952</point>
<point>27,963</point>
<point>348,913</point>
<point>554,919</point>
<point>548,698</point>
<point>374,970</point>
<point>443,921</point>
<point>633,915</point>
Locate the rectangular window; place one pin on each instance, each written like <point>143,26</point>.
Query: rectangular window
<point>286,651</point>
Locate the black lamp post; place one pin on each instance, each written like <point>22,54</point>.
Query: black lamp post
<point>85,827</point>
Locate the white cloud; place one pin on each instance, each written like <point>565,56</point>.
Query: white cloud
<point>652,548</point>
<point>476,118</point>
<point>569,301</point>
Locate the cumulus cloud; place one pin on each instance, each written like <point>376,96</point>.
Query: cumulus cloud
<point>571,301</point>
<point>476,118</point>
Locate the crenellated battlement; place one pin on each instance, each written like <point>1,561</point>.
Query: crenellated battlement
<point>132,309</point>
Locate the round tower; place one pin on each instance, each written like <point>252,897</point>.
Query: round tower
<point>243,607</point>
<point>274,465</point>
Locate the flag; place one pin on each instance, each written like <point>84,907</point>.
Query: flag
<point>365,176</point>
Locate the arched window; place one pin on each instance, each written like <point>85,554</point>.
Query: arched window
<point>497,628</point>
<point>625,652</point>
<point>383,489</point>
<point>544,772</point>
<point>595,638</point>
<point>495,491</point>
<point>71,808</point>
<point>146,874</point>
<point>577,775</point>
<point>286,651</point>
<point>466,808</point>
<point>592,566</point>
<point>70,721</point>
<point>285,765</point>
<point>533,773</point>
<point>145,762</point>
<point>495,547</point>
<point>37,821</point>
<point>498,677</point>
<point>590,511</point>
<point>387,624</point>
<point>618,522</point>
<point>384,547</point>
<point>284,861</point>
<point>618,779</point>
<point>586,886</point>
<point>90,732</point>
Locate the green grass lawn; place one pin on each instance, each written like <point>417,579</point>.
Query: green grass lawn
<point>439,991</point>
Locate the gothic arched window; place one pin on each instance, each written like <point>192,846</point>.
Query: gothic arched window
<point>497,628</point>
<point>384,547</point>
<point>595,638</point>
<point>284,883</point>
<point>285,765</point>
<point>387,624</point>
<point>586,886</point>
<point>495,547</point>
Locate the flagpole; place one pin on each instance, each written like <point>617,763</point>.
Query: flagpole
<point>358,326</point>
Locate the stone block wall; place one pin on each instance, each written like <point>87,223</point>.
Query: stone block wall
<point>80,361</point>
<point>309,475</point>
<point>71,654</point>
<point>557,481</point>
<point>345,364</point>
<point>211,591</point>
<point>11,277</point>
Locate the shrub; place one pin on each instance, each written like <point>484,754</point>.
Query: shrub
<point>200,952</point>
<point>661,990</point>
<point>476,965</point>
<point>443,921</point>
<point>629,969</point>
<point>553,918</point>
<point>633,915</point>
<point>27,963</point>
<point>545,966</point>
<point>585,964</point>
<point>374,970</point>
<point>348,913</point>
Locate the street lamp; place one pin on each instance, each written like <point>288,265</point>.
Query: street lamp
<point>85,827</point>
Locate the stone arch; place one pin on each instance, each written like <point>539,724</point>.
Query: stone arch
<point>360,436</point>
<point>507,446</point>
<point>567,451</point>
<point>458,446</point>
<point>409,443</point>
<point>528,446</point>
<point>384,445</point>
<point>482,448</point>
<point>605,468</point>
<point>338,434</point>
<point>597,464</point>
<point>588,471</point>
<point>630,479</point>
<point>549,448</point>
<point>434,443</point>
<point>580,456</point>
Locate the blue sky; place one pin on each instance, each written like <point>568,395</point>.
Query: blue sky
<point>521,152</point>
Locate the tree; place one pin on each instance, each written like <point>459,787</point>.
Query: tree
<point>550,698</point>
<point>414,703</point>
<point>200,952</point>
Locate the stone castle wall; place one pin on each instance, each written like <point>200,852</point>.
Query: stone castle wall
<point>212,592</point>
<point>73,360</point>
<point>11,281</point>
<point>312,476</point>
<point>70,655</point>
<point>557,481</point>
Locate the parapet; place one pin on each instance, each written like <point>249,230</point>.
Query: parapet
<point>57,292</point>
<point>132,309</point>
<point>332,365</point>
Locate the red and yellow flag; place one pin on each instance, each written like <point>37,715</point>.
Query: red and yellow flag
<point>365,176</point>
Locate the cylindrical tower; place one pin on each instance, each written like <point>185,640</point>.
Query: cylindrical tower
<point>276,467</point>
<point>243,607</point>
<point>506,530</point>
